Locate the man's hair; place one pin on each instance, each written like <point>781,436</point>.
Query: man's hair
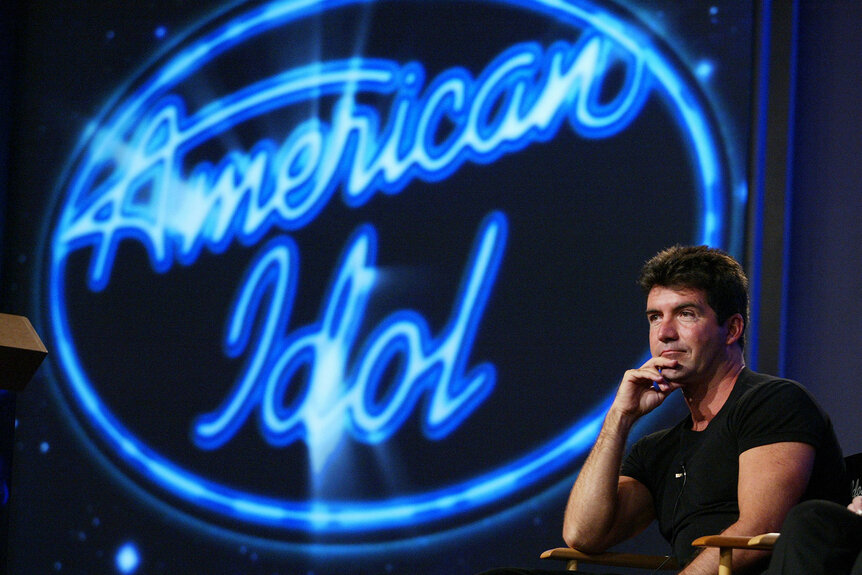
<point>709,269</point>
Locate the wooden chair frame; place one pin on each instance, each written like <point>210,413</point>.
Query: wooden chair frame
<point>574,558</point>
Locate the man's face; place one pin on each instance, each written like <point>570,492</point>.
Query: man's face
<point>683,327</point>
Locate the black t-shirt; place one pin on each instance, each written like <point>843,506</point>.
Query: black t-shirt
<point>692,476</point>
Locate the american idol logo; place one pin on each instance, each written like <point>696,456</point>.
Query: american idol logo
<point>301,280</point>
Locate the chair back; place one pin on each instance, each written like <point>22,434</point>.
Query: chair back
<point>853,464</point>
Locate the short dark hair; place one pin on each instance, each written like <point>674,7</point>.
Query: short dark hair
<point>709,269</point>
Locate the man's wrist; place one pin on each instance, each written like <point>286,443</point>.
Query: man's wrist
<point>619,423</point>
<point>623,418</point>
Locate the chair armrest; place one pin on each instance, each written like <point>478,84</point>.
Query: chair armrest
<point>764,541</point>
<point>611,558</point>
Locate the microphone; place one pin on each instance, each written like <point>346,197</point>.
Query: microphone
<point>680,473</point>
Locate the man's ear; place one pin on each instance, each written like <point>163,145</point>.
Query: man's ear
<point>735,328</point>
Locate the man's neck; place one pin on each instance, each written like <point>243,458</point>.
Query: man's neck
<point>705,401</point>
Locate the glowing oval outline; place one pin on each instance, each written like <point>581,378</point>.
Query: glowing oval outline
<point>335,517</point>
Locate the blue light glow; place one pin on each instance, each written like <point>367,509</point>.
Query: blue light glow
<point>527,94</point>
<point>704,70</point>
<point>128,559</point>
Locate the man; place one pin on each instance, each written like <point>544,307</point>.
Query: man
<point>752,446</point>
<point>820,538</point>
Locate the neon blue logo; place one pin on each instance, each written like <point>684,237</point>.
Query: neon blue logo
<point>141,181</point>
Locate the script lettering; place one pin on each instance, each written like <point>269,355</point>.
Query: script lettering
<point>146,194</point>
<point>310,367</point>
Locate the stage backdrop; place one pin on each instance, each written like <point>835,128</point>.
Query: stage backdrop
<point>345,286</point>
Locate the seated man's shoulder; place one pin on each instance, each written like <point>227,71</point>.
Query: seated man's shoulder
<point>760,387</point>
<point>772,409</point>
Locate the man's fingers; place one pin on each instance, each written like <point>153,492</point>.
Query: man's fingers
<point>666,386</point>
<point>650,372</point>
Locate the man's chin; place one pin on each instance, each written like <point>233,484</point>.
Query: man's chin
<point>676,376</point>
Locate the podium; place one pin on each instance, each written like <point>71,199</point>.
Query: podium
<point>21,354</point>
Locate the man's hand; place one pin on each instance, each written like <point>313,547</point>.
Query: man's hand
<point>856,505</point>
<point>645,388</point>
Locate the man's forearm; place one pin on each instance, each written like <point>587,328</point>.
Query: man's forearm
<point>706,563</point>
<point>591,510</point>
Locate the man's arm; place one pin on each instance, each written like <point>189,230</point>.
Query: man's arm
<point>772,479</point>
<point>604,508</point>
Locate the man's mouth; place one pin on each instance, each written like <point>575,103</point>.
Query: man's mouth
<point>672,352</point>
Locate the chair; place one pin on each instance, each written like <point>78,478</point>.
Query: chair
<point>725,543</point>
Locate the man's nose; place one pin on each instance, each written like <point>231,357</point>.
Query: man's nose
<point>667,330</point>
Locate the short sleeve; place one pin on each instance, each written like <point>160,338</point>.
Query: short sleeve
<point>633,464</point>
<point>649,458</point>
<point>780,411</point>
